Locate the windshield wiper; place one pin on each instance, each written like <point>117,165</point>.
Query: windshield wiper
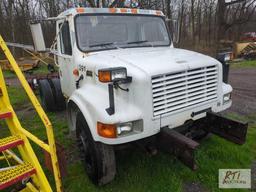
<point>101,44</point>
<point>105,44</point>
<point>137,42</point>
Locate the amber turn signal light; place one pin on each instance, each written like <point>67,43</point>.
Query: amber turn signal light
<point>104,76</point>
<point>106,130</point>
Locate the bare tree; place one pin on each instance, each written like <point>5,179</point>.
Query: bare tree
<point>201,22</point>
<point>233,13</point>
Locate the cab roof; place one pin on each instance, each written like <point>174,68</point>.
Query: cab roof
<point>82,10</point>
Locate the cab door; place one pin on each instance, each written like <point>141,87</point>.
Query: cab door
<point>65,59</point>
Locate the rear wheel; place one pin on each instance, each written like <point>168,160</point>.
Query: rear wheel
<point>46,95</point>
<point>98,158</point>
<point>59,98</point>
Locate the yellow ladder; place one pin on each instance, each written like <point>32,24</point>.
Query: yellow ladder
<point>27,168</point>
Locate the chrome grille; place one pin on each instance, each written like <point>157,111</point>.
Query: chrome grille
<point>176,91</point>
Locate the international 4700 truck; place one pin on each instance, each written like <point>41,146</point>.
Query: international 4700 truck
<point>122,81</point>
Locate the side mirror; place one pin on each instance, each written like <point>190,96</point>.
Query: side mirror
<point>225,57</point>
<point>38,37</point>
<point>175,31</point>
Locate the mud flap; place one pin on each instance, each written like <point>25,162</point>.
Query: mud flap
<point>228,129</point>
<point>177,144</point>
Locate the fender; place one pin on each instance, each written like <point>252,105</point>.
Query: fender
<point>89,100</point>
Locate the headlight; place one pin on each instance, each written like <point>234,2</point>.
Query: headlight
<point>124,128</point>
<point>112,74</point>
<point>226,98</point>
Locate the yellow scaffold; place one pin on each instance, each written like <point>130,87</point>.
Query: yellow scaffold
<point>26,169</point>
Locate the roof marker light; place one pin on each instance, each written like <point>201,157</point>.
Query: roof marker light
<point>123,10</point>
<point>134,11</point>
<point>80,10</point>
<point>112,10</point>
<point>159,13</point>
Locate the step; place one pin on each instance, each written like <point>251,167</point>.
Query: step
<point>16,174</point>
<point>10,142</point>
<point>5,113</point>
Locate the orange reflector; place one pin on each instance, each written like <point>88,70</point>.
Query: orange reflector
<point>80,10</point>
<point>104,76</point>
<point>159,12</point>
<point>76,72</point>
<point>112,10</point>
<point>134,11</point>
<point>123,10</point>
<point>106,130</point>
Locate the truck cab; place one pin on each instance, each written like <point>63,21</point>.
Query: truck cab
<point>124,81</point>
<point>167,85</point>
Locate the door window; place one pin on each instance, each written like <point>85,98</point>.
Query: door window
<point>65,39</point>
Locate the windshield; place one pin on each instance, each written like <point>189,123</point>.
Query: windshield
<point>105,31</point>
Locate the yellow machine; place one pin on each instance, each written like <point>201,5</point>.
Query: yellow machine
<point>27,169</point>
<point>244,47</point>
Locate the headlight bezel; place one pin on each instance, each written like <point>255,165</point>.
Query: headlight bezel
<point>115,74</point>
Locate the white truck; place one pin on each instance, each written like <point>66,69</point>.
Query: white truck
<point>123,81</point>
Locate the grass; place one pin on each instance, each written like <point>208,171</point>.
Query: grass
<point>244,64</point>
<point>136,171</point>
<point>18,96</point>
<point>40,70</point>
<point>8,74</point>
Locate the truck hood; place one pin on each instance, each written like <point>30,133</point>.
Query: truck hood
<point>154,61</point>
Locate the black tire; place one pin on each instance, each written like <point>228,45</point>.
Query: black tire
<point>58,96</point>
<point>46,95</point>
<point>98,158</point>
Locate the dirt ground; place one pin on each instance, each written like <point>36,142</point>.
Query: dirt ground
<point>243,82</point>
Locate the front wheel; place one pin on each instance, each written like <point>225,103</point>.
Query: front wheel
<point>98,158</point>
